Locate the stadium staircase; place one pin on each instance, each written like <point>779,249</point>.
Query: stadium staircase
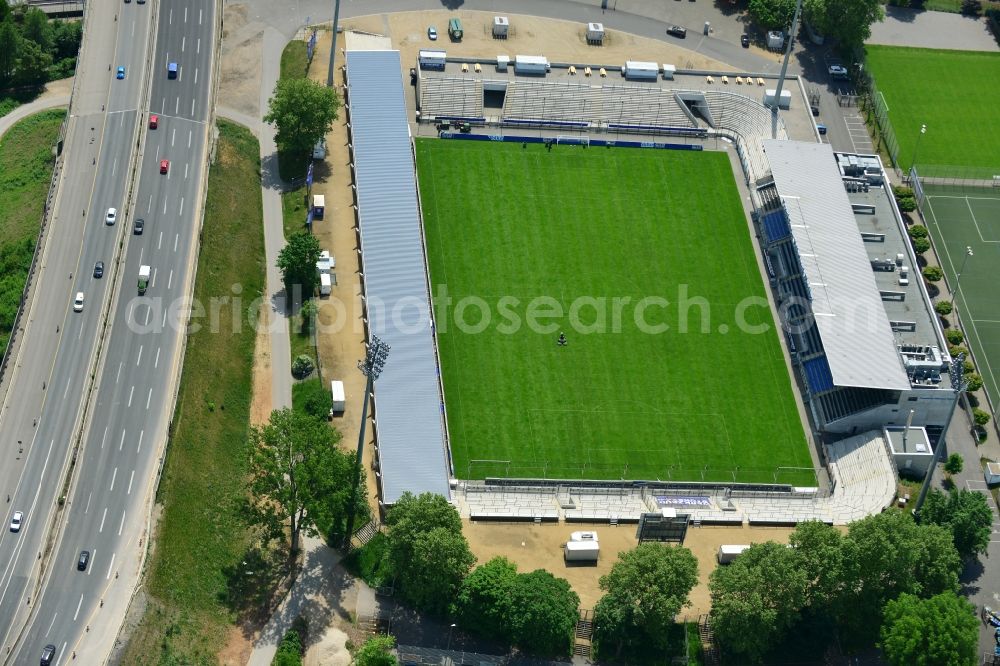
<point>583,638</point>
<point>708,647</point>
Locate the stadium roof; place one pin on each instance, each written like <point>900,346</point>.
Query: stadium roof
<point>845,300</point>
<point>409,411</point>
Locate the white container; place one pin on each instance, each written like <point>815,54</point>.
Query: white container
<point>581,551</point>
<point>643,71</point>
<point>595,33</point>
<point>319,206</point>
<point>775,39</point>
<point>669,71</point>
<point>337,392</point>
<point>325,284</point>
<point>431,59</point>
<point>786,98</point>
<point>500,26</point>
<point>525,64</point>
<point>502,62</point>
<point>729,552</point>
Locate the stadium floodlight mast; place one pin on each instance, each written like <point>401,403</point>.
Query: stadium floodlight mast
<point>370,366</point>
<point>333,44</point>
<point>913,162</point>
<point>961,269</point>
<point>784,68</point>
<point>958,384</point>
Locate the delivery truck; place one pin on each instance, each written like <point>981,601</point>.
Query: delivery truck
<point>144,272</point>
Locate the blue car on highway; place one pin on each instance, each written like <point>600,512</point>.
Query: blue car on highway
<point>121,73</point>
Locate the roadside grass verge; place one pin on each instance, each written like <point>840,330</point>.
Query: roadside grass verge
<point>204,572</point>
<point>293,210</point>
<point>294,64</point>
<point>25,174</point>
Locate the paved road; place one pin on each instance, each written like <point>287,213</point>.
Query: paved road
<point>43,400</point>
<point>933,30</point>
<point>126,431</point>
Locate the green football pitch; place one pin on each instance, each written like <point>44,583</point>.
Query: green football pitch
<point>954,93</point>
<point>672,367</point>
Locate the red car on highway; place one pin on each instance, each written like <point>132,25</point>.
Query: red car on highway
<point>154,120</point>
<point>164,166</point>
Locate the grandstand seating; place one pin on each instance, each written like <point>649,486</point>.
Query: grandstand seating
<point>751,121</point>
<point>451,97</point>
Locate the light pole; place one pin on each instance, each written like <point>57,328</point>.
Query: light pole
<point>450,629</point>
<point>333,44</point>
<point>958,275</point>
<point>370,366</point>
<point>958,384</point>
<point>913,162</point>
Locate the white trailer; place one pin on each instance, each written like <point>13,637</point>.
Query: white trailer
<point>502,62</point>
<point>583,536</point>
<point>319,206</point>
<point>729,552</point>
<point>641,71</point>
<point>669,71</point>
<point>582,551</point>
<point>432,59</point>
<point>500,26</point>
<point>337,392</point>
<point>783,103</point>
<point>595,33</point>
<point>525,64</point>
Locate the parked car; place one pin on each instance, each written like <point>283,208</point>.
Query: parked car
<point>677,31</point>
<point>837,71</point>
<point>154,121</point>
<point>432,33</point>
<point>821,128</point>
<point>120,74</point>
<point>745,40</point>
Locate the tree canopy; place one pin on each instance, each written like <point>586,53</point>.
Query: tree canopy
<point>297,263</point>
<point>376,651</point>
<point>428,551</point>
<point>542,614</point>
<point>847,21</point>
<point>302,112</point>
<point>645,589</point>
<point>482,602</point>
<point>940,631</point>
<point>299,478</point>
<point>965,513</point>
<point>772,14</point>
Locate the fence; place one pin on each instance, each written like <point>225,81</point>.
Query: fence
<point>877,117</point>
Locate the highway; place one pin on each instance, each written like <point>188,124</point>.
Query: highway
<point>126,422</point>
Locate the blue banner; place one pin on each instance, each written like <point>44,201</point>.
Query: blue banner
<point>593,142</point>
<point>309,174</point>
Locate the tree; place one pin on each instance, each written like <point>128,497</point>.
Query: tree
<point>933,274</point>
<point>953,335</point>
<point>921,245</point>
<point>10,50</point>
<point>299,478</point>
<point>973,380</point>
<point>940,631</point>
<point>981,417</point>
<point>757,599</point>
<point>966,514</point>
<point>543,612</point>
<point>35,26</point>
<point>289,650</point>
<point>427,550</point>
<point>312,397</point>
<point>33,64</point>
<point>645,589</point>
<point>302,365</point>
<point>483,599</point>
<point>66,37</point>
<point>297,263</point>
<point>377,651</point>
<point>303,112</point>
<point>943,307</point>
<point>848,21</point>
<point>954,463</point>
<point>772,14</point>
<point>820,551</point>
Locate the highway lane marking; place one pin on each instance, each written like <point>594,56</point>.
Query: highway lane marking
<point>184,39</point>
<point>152,283</point>
<point>177,106</point>
<point>149,310</point>
<point>131,306</point>
<point>122,123</point>
<point>157,158</point>
<point>80,334</point>
<point>149,206</point>
<point>170,279</point>
<point>185,20</point>
<point>9,569</point>
<point>196,76</point>
<point>176,238</point>
<point>114,475</point>
<point>138,448</point>
<point>130,400</point>
<point>159,242</point>
<point>87,510</point>
<point>119,375</point>
<point>173,135</point>
<point>163,322</point>
<point>142,251</point>
<point>139,358</point>
<point>180,211</point>
<point>52,623</point>
<point>114,167</point>
<point>127,492</point>
<point>163,105</point>
<point>66,392</point>
<point>103,518</point>
<point>149,397</point>
<point>93,558</point>
<point>199,17</point>
<point>185,171</point>
<point>111,566</point>
<point>104,439</point>
<point>121,525</point>
<point>79,604</point>
<point>198,46</point>
<point>164,206</point>
<point>190,134</point>
<point>192,101</point>
<point>170,17</point>
<point>157,361</point>
<point>122,442</point>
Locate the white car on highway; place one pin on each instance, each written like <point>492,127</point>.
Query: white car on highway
<point>78,302</point>
<point>111,216</point>
<point>16,520</point>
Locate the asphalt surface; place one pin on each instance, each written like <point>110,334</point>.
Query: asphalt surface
<point>127,424</point>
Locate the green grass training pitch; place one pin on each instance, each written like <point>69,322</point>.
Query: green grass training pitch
<point>516,232</point>
<point>954,93</point>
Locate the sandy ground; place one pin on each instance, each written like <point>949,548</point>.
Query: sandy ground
<point>239,84</point>
<point>260,403</point>
<point>533,547</point>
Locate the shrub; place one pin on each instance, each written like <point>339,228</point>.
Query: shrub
<point>955,336</point>
<point>921,245</point>
<point>312,398</point>
<point>980,417</point>
<point>303,365</point>
<point>289,650</point>
<point>955,350</point>
<point>974,382</point>
<point>954,464</point>
<point>968,366</point>
<point>918,231</point>
<point>933,273</point>
<point>906,204</point>
<point>943,307</point>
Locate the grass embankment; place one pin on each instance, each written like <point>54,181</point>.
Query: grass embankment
<point>203,574</point>
<point>25,174</point>
<point>294,65</point>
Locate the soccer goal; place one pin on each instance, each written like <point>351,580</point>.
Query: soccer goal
<point>572,139</point>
